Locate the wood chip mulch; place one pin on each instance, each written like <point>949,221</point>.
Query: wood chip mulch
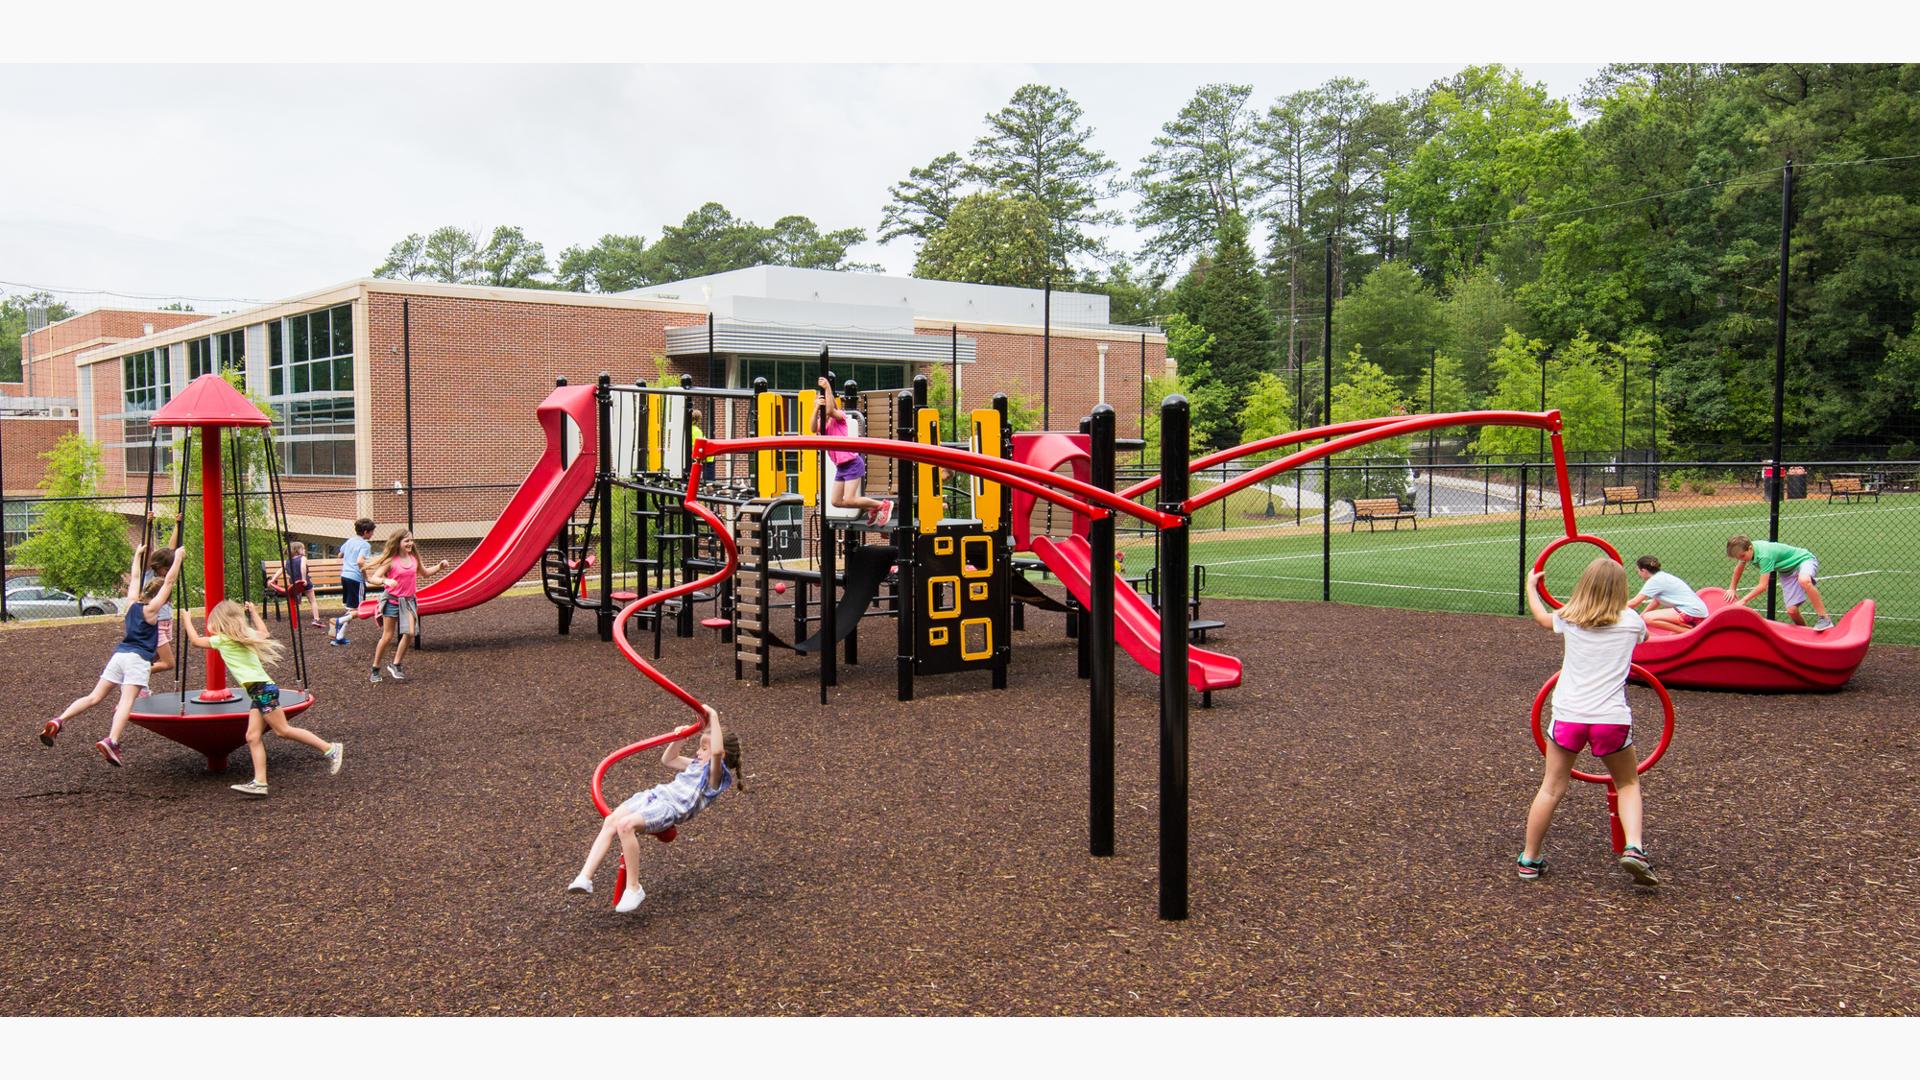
<point>1356,809</point>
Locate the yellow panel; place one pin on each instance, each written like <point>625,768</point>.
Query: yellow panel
<point>809,463</point>
<point>933,590</point>
<point>937,635</point>
<point>927,491</point>
<point>986,637</point>
<point>656,408</point>
<point>967,544</point>
<point>977,590</point>
<point>943,545</point>
<point>767,405</point>
<point>986,494</point>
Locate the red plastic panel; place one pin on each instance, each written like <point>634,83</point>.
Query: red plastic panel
<point>1736,648</point>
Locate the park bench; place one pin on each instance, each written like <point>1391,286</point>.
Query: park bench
<point>1851,489</point>
<point>1377,510</point>
<point>324,573</point>
<point>1624,497</point>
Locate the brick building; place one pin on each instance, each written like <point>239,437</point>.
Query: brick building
<point>339,366</point>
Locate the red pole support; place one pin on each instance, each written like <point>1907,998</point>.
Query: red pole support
<point>213,554</point>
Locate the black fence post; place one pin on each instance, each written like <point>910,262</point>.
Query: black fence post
<point>1520,607</point>
<point>1326,412</point>
<point>603,494</point>
<point>1098,643</point>
<point>406,382</point>
<point>1780,375</point>
<point>903,540</point>
<point>1174,419</point>
<point>1084,637</point>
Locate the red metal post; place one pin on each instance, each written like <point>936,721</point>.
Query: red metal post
<point>213,555</point>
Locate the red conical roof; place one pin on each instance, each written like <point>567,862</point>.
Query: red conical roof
<point>209,401</point>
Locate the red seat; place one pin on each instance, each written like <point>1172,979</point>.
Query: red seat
<point>716,624</point>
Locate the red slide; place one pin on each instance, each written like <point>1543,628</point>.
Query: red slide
<point>523,531</point>
<point>1136,626</point>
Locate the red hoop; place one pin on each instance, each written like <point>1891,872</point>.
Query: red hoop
<point>1635,673</point>
<point>1540,563</point>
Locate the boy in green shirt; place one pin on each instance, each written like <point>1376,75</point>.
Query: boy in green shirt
<point>1797,568</point>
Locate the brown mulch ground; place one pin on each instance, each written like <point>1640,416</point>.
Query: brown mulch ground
<point>1356,808</point>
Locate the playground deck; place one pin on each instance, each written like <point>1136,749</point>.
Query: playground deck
<point>1356,808</point>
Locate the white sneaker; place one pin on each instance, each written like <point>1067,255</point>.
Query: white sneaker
<point>335,754</point>
<point>631,898</point>
<point>251,787</point>
<point>581,884</point>
<point>1823,624</point>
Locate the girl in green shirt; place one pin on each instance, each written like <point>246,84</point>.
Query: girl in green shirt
<point>241,638</point>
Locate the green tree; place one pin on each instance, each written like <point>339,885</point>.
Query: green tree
<point>1515,369</point>
<point>1228,298</point>
<point>1038,147</point>
<point>1198,173</point>
<point>1286,173</point>
<point>1131,301</point>
<point>709,240</point>
<point>1393,317</point>
<point>796,241</point>
<point>512,261</point>
<point>406,260</point>
<point>13,324</point>
<point>1478,315</point>
<point>615,263</point>
<point>918,206</point>
<point>1366,391</point>
<point>990,238</point>
<point>1269,409</point>
<point>80,547</point>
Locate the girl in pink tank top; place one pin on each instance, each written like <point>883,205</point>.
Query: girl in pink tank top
<point>398,570</point>
<point>849,468</point>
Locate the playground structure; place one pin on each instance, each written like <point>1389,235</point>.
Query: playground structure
<point>214,720</point>
<point>1737,648</point>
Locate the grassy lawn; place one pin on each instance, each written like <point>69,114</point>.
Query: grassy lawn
<point>1865,550</point>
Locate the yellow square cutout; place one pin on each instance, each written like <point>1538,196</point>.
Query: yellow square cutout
<point>976,556</point>
<point>943,545</point>
<point>976,639</point>
<point>937,636</point>
<point>943,597</point>
<point>976,590</point>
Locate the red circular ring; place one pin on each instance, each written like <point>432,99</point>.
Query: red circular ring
<point>1540,563</point>
<point>1635,673</point>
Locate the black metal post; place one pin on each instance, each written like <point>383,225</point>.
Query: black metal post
<point>1433,367</point>
<point>953,378</point>
<point>406,382</point>
<point>603,493</point>
<point>1780,374</point>
<point>1174,420</point>
<point>1046,353</point>
<point>713,379</point>
<point>1097,643</point>
<point>903,536</point>
<point>1520,607</point>
<point>1623,418</point>
<point>1080,626</point>
<point>1326,412</point>
<point>1653,420</point>
<point>1143,399</point>
<point>829,557</point>
<point>1540,454</point>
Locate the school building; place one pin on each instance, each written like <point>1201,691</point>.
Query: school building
<point>344,366</point>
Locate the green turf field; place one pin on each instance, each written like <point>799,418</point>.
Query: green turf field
<point>1865,550</point>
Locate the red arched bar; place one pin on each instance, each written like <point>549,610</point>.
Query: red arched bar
<point>1549,421</point>
<point>1540,563</point>
<point>1082,498</point>
<point>1635,673</point>
<point>1273,442</point>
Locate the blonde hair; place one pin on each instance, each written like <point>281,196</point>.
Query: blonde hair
<point>1599,597</point>
<point>230,621</point>
<point>389,552</point>
<point>296,548</point>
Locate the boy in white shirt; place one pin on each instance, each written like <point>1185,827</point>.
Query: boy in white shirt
<point>1672,603</point>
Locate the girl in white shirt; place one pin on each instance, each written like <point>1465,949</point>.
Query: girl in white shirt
<point>1590,707</point>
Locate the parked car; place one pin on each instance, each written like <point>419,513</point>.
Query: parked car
<point>28,599</point>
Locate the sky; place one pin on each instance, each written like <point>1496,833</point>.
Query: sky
<point>143,165</point>
<point>226,183</point>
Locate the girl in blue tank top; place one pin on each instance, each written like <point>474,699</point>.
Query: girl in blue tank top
<point>131,664</point>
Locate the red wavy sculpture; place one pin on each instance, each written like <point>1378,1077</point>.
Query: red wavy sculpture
<point>1736,648</point>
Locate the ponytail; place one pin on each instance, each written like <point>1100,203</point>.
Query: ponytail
<point>730,745</point>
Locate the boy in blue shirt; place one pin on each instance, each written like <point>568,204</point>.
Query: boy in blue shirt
<point>354,555</point>
<point>1670,601</point>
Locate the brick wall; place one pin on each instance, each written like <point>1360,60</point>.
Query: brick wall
<point>1015,362</point>
<point>54,347</point>
<point>27,437</point>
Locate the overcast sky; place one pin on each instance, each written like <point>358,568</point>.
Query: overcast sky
<point>258,182</point>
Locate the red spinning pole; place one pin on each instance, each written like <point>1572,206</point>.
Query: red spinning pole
<point>213,562</point>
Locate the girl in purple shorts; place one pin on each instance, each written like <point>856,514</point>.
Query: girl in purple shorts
<point>1590,707</point>
<point>849,469</point>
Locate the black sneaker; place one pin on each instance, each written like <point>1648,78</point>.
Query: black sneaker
<point>1635,861</point>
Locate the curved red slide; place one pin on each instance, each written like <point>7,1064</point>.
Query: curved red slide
<point>523,531</point>
<point>1736,648</point>
<point>1136,626</point>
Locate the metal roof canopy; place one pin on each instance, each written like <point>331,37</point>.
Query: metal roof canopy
<point>805,341</point>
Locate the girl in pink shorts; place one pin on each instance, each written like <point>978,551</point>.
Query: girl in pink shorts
<point>1590,707</point>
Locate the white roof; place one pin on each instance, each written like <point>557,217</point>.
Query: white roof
<point>787,294</point>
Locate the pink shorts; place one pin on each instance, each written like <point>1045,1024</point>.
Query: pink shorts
<point>1604,739</point>
<point>165,626</point>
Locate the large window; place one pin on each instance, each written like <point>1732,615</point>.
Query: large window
<point>310,380</point>
<point>145,385</point>
<point>803,374</point>
<point>221,352</point>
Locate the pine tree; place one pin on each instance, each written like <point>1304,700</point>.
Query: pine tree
<point>1229,301</point>
<point>1037,147</point>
